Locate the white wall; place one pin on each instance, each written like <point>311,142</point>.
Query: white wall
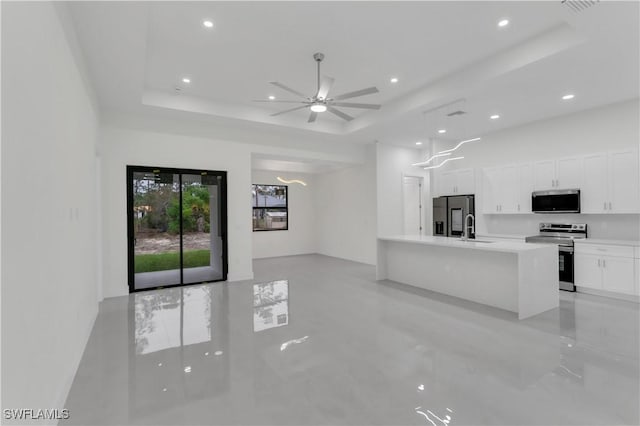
<point>300,238</point>
<point>393,163</point>
<point>49,129</point>
<point>346,211</point>
<point>607,128</point>
<point>121,147</point>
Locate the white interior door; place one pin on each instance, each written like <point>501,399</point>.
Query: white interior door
<point>412,191</point>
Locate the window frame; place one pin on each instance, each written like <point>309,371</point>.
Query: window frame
<point>285,208</point>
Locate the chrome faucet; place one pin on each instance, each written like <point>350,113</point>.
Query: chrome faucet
<point>465,233</point>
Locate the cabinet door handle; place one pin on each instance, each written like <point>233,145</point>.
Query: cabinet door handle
<point>518,207</point>
<point>609,205</point>
<point>599,263</point>
<point>604,264</point>
<point>605,205</point>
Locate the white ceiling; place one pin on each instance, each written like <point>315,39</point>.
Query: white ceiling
<point>442,52</point>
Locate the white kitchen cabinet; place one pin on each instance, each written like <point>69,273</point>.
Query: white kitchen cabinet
<point>594,193</point>
<point>606,267</point>
<point>504,192</point>
<point>490,189</point>
<point>618,275</point>
<point>465,182</point>
<point>587,271</point>
<point>456,182</point>
<point>569,173</point>
<point>624,178</point>
<point>525,188</point>
<point>544,174</point>
<point>563,173</point>
<point>610,183</point>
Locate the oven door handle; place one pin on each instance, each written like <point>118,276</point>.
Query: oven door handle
<point>565,249</point>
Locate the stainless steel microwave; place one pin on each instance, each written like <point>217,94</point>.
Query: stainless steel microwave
<point>556,201</point>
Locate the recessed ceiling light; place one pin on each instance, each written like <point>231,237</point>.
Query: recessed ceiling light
<point>207,23</point>
<point>186,80</point>
<point>567,97</point>
<point>494,117</point>
<point>418,143</point>
<point>442,131</point>
<point>503,23</point>
<point>271,97</point>
<point>394,79</point>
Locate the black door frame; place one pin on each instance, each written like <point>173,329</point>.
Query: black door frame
<point>130,222</point>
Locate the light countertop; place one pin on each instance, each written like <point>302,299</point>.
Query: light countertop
<point>608,242</point>
<point>501,246</point>
<point>505,236</point>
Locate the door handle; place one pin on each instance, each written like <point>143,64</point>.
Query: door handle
<point>604,265</point>
<point>598,263</point>
<point>609,205</point>
<point>605,205</point>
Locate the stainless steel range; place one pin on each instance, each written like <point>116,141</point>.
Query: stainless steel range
<point>562,235</point>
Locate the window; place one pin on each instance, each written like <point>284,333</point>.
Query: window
<point>270,208</point>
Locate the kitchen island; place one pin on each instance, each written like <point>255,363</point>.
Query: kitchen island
<point>518,277</point>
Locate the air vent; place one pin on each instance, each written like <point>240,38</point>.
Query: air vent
<point>454,113</point>
<point>579,5</point>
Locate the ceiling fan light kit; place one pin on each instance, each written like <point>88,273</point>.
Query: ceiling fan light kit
<point>321,101</point>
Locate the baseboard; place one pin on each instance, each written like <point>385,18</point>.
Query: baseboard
<point>65,387</point>
<point>240,277</point>
<point>609,294</point>
<point>284,255</point>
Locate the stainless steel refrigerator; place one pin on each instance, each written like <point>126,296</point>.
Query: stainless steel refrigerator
<point>449,214</point>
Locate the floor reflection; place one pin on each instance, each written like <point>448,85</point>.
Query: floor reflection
<point>180,347</point>
<point>270,305</point>
<point>357,352</point>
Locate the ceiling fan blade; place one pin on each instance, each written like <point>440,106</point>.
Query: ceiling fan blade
<point>289,110</point>
<point>288,89</point>
<point>312,117</point>
<point>325,86</point>
<point>354,105</point>
<point>286,102</point>
<point>357,93</point>
<point>339,113</point>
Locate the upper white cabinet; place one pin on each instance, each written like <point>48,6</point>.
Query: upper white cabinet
<point>594,193</point>
<point>564,173</point>
<point>624,182</point>
<point>611,183</point>
<point>507,189</point>
<point>525,188</point>
<point>456,182</point>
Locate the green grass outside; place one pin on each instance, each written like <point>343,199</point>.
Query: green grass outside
<point>170,260</point>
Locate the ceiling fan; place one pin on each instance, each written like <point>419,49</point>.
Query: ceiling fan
<point>321,102</point>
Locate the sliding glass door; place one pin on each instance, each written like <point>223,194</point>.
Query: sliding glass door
<point>177,227</point>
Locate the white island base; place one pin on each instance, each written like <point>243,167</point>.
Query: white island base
<point>517,277</point>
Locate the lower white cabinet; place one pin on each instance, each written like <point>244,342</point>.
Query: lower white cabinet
<point>606,267</point>
<point>587,271</point>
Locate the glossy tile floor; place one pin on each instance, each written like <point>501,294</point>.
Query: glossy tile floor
<point>316,340</point>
